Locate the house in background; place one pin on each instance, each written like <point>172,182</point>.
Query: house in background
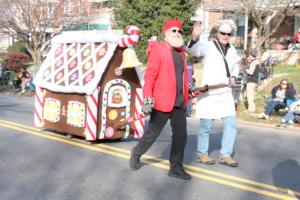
<point>5,40</point>
<point>75,15</point>
<point>87,15</point>
<point>212,10</point>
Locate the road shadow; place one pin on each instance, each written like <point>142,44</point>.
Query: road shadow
<point>8,105</point>
<point>286,175</point>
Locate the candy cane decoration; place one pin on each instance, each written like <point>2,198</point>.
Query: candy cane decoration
<point>132,39</point>
<point>139,123</point>
<point>91,115</point>
<point>124,122</point>
<point>38,107</point>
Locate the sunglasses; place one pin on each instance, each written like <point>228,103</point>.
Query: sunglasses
<point>176,31</point>
<point>284,83</point>
<point>223,33</point>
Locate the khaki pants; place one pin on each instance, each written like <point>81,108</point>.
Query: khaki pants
<point>251,92</point>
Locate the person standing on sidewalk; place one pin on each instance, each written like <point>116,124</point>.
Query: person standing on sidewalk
<point>221,66</point>
<point>165,97</point>
<point>252,79</point>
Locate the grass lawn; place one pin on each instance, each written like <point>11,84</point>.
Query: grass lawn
<point>291,73</point>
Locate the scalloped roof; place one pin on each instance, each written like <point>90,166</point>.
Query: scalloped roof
<point>76,61</point>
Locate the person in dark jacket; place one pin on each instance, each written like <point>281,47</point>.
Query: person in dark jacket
<point>282,96</point>
<point>252,79</point>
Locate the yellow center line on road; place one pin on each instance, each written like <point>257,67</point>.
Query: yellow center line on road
<point>214,173</point>
<point>108,150</point>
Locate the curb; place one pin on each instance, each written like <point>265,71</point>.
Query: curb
<point>249,123</point>
<point>293,128</point>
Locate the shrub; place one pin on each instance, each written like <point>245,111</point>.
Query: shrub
<point>14,60</point>
<point>17,47</point>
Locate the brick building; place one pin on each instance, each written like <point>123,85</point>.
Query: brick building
<point>212,10</point>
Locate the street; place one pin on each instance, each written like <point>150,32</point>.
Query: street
<point>40,164</point>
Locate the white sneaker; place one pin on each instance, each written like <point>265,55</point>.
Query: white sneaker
<point>290,122</point>
<point>261,115</point>
<point>282,121</point>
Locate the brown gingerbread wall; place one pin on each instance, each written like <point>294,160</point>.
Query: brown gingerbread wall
<point>61,125</point>
<point>128,75</point>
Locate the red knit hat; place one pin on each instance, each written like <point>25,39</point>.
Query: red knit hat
<point>172,23</point>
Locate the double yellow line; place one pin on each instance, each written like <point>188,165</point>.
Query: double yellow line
<point>209,175</point>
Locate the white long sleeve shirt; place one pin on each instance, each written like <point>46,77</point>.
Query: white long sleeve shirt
<point>252,67</point>
<point>216,103</point>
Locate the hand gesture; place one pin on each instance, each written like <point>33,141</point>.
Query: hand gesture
<point>232,81</point>
<point>197,30</point>
<point>148,104</point>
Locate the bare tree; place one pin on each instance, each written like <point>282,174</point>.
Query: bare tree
<point>29,21</point>
<point>261,13</point>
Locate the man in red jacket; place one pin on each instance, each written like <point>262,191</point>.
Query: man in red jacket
<point>165,97</point>
<point>297,36</point>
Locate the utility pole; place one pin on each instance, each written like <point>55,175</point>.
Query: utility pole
<point>246,29</point>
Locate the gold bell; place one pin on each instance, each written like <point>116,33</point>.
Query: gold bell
<point>130,59</point>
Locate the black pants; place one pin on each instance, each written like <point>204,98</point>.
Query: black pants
<point>179,133</point>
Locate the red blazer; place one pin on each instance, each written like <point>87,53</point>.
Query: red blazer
<point>297,37</point>
<point>160,78</point>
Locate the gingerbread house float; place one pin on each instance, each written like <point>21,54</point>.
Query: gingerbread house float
<point>89,81</point>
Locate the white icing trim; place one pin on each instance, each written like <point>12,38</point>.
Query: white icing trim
<point>88,88</point>
<point>86,37</point>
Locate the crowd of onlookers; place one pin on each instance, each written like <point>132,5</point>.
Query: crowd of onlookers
<point>284,96</point>
<point>22,80</point>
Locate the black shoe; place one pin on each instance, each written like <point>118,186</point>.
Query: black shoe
<point>134,161</point>
<point>179,173</point>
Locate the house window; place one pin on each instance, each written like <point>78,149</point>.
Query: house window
<point>52,110</point>
<point>76,114</point>
<point>104,4</point>
<point>240,26</point>
<point>240,31</point>
<point>68,7</point>
<point>79,7</point>
<point>50,10</point>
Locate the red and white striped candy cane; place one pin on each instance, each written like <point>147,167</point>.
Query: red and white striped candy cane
<point>38,107</point>
<point>131,39</point>
<point>139,123</point>
<point>91,115</point>
<point>136,117</point>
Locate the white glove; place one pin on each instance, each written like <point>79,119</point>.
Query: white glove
<point>148,104</point>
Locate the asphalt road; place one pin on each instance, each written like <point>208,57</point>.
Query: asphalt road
<point>38,164</point>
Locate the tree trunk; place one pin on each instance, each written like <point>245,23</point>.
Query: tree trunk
<point>260,41</point>
<point>35,55</point>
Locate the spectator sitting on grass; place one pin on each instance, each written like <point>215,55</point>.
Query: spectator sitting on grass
<point>293,110</point>
<point>282,95</point>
